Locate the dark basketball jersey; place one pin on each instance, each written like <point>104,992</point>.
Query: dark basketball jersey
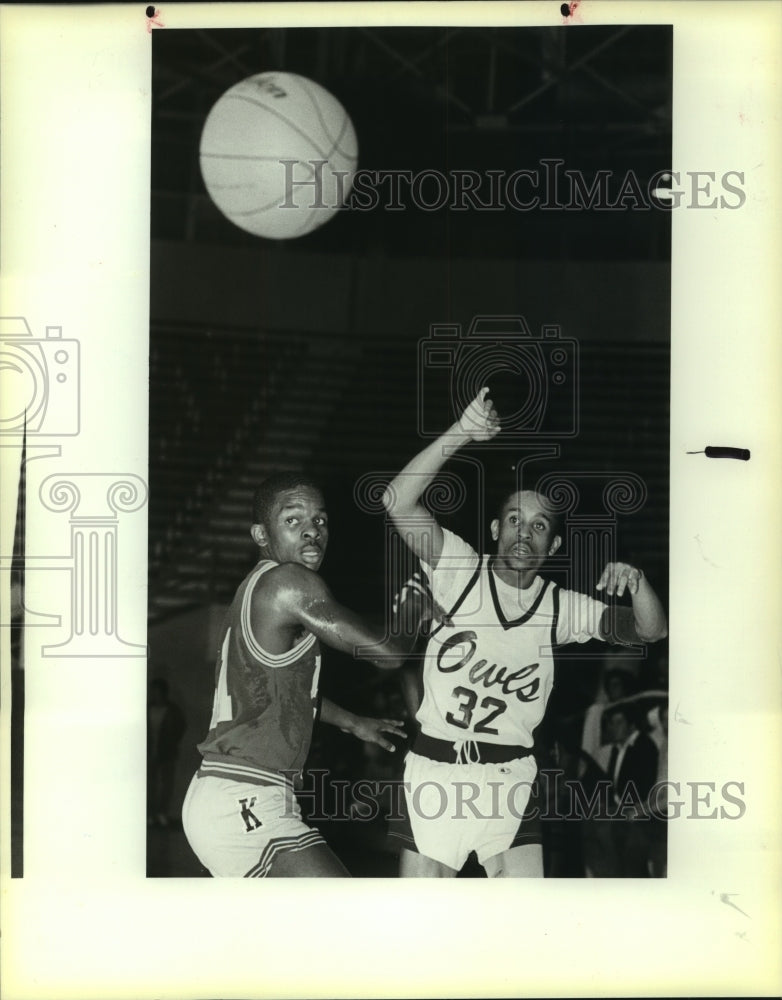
<point>264,703</point>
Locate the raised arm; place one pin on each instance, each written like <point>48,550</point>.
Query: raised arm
<point>402,498</point>
<point>646,622</point>
<point>295,596</point>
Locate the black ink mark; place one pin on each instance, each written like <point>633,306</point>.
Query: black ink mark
<point>153,19</point>
<point>742,454</point>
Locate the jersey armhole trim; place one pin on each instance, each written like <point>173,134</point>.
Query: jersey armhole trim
<point>285,659</point>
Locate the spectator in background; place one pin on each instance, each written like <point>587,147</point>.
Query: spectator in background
<point>633,757</point>
<point>618,844</point>
<point>659,687</point>
<point>165,728</point>
<point>616,684</point>
<point>632,770</point>
<point>658,828</point>
<point>568,831</point>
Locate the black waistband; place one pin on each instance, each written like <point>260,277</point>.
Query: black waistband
<point>481,753</point>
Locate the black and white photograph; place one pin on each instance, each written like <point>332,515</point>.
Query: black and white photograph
<point>357,232</point>
<point>390,446</point>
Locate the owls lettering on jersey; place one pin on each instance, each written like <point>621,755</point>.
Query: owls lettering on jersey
<point>265,703</point>
<point>489,663</point>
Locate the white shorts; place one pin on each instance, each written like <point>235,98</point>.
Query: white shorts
<point>452,809</point>
<point>236,829</point>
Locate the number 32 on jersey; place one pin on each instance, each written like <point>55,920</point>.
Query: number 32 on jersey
<point>488,710</point>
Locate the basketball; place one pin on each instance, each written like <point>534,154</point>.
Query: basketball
<point>278,153</point>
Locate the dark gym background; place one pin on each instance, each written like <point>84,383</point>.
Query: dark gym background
<point>268,355</point>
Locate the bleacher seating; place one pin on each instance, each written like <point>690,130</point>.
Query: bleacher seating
<point>228,407</point>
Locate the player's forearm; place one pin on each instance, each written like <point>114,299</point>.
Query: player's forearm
<point>393,647</point>
<point>388,653</point>
<point>397,650</point>
<point>649,615</point>
<point>337,716</point>
<point>403,494</point>
<point>365,641</point>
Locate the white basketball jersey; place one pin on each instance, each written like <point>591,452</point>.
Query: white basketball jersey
<point>489,663</point>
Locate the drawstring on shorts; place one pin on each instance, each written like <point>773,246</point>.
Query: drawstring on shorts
<point>467,752</point>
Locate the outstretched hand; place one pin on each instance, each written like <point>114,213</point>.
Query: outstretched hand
<point>419,585</point>
<point>372,730</point>
<point>480,421</point>
<point>617,577</point>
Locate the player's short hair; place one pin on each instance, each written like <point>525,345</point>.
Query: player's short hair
<point>556,519</point>
<point>268,491</point>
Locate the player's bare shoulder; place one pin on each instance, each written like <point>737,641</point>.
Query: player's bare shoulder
<point>285,590</point>
<point>278,603</point>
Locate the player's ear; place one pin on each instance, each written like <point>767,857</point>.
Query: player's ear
<point>495,529</point>
<point>555,544</point>
<point>258,535</point>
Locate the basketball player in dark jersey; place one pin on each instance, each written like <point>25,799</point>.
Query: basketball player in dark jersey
<point>489,666</point>
<point>240,814</point>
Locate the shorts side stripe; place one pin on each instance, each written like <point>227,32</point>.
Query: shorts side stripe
<point>240,772</point>
<point>280,845</point>
<point>530,830</point>
<point>400,828</point>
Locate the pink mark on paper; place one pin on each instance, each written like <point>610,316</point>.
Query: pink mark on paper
<point>570,13</point>
<point>153,19</point>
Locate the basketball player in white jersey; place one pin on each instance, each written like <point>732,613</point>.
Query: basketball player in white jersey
<point>488,667</point>
<point>240,814</point>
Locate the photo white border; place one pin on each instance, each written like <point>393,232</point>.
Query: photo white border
<point>84,922</point>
